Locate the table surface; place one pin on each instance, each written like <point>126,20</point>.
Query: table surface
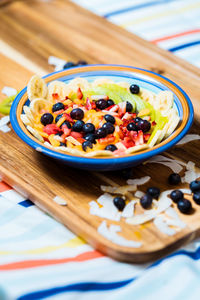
<point>80,35</point>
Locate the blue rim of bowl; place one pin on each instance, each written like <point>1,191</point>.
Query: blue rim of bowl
<point>93,160</point>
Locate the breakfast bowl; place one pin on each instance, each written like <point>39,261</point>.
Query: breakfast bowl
<point>176,115</point>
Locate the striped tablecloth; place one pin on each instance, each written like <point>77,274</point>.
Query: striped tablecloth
<point>40,258</point>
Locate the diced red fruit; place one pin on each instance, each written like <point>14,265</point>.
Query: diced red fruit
<point>93,104</point>
<point>55,96</point>
<point>58,112</point>
<point>51,129</point>
<point>76,135</point>
<point>107,140</point>
<point>79,93</point>
<point>128,142</point>
<point>138,138</point>
<point>146,137</point>
<point>80,140</point>
<point>109,108</point>
<point>153,123</point>
<point>68,118</point>
<point>119,152</point>
<point>88,104</point>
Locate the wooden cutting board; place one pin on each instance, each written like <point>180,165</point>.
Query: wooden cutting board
<point>82,35</point>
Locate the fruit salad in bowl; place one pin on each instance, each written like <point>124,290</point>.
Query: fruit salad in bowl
<point>105,117</point>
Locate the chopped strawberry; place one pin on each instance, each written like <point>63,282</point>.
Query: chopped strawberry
<point>76,135</point>
<point>80,140</point>
<point>108,108</point>
<point>79,93</point>
<point>93,104</point>
<point>51,129</point>
<point>119,152</point>
<point>107,140</point>
<point>146,137</point>
<point>68,118</point>
<point>138,138</point>
<point>58,112</point>
<point>128,142</point>
<point>153,123</point>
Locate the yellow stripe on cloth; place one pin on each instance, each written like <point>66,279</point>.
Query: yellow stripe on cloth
<point>155,16</point>
<point>73,243</point>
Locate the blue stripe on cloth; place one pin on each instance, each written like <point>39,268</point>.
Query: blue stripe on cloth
<point>135,7</point>
<point>99,286</point>
<point>187,45</point>
<point>80,287</point>
<point>26,203</point>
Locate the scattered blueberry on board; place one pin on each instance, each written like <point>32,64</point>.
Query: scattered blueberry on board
<point>119,202</point>
<point>146,201</point>
<point>154,192</point>
<point>184,206</point>
<point>174,179</point>
<point>176,195</point>
<point>196,197</point>
<point>71,64</point>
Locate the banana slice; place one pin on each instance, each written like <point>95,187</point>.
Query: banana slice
<point>25,120</point>
<point>79,83</point>
<point>172,126</point>
<point>124,84</point>
<point>28,113</point>
<point>101,81</point>
<point>35,133</point>
<point>148,96</point>
<point>60,88</point>
<point>37,104</point>
<point>164,101</point>
<point>36,88</point>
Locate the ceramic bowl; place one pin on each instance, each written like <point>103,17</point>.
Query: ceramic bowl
<point>143,78</point>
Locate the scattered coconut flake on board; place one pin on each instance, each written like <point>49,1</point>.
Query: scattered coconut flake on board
<point>118,190</point>
<point>8,91</point>
<point>139,181</point>
<point>57,62</point>
<point>173,164</point>
<point>175,219</point>
<point>107,210</point>
<point>161,225</point>
<point>110,233</point>
<point>188,138</point>
<point>59,200</point>
<point>139,194</point>
<point>5,128</point>
<point>4,120</point>
<point>128,210</point>
<point>190,174</point>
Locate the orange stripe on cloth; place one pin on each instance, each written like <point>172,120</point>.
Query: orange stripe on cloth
<point>4,187</point>
<point>175,35</point>
<point>46,262</point>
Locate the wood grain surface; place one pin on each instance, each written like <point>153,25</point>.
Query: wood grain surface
<point>65,30</point>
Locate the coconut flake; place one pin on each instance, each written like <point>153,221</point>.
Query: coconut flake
<point>9,91</point>
<point>173,164</point>
<point>175,219</point>
<point>60,200</point>
<point>110,233</point>
<point>5,128</point>
<point>128,211</point>
<point>4,121</point>
<point>139,181</point>
<point>107,210</point>
<point>57,62</point>
<point>118,190</point>
<point>188,138</point>
<point>139,194</point>
<point>190,174</point>
<point>160,223</point>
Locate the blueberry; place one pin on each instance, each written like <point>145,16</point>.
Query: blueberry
<point>58,106</point>
<point>58,117</point>
<point>88,128</point>
<point>90,137</point>
<point>129,107</point>
<point>87,144</point>
<point>119,202</point>
<point>62,144</point>
<point>77,114</point>
<point>110,119</point>
<point>109,127</point>
<point>101,133</point>
<point>101,103</point>
<point>154,192</point>
<point>78,126</point>
<point>176,195</point>
<point>111,147</point>
<point>195,185</point>
<point>69,64</point>
<point>132,127</point>
<point>184,206</point>
<point>67,124</point>
<point>110,102</point>
<point>146,201</point>
<point>46,119</point>
<point>174,179</point>
<point>82,63</point>
<point>196,197</point>
<point>144,125</point>
<point>137,119</point>
<point>134,89</point>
